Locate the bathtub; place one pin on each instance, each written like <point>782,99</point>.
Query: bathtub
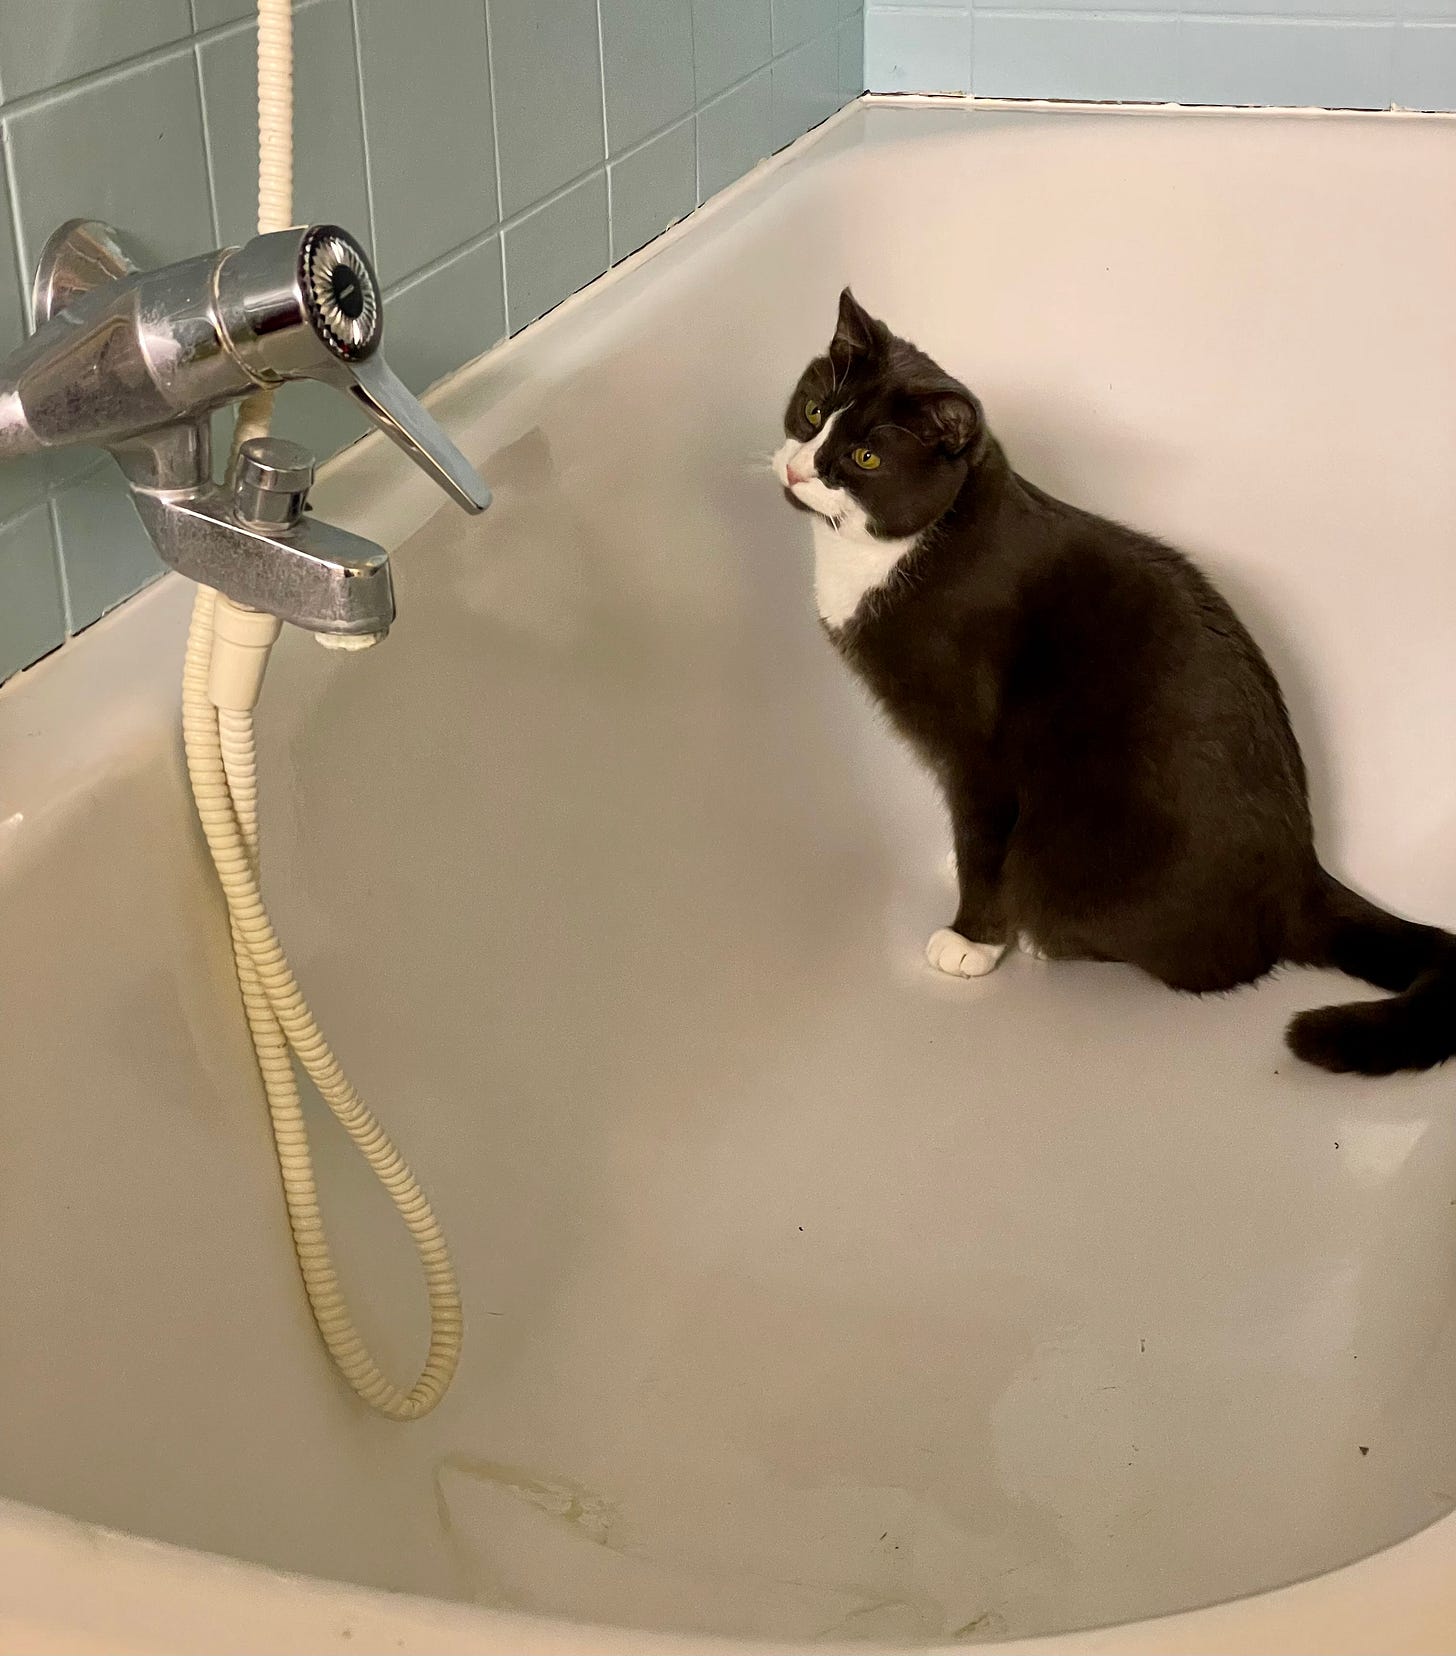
<point>809,1297</point>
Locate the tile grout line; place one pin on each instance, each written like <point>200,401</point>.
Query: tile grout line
<point>207,155</point>
<point>472,244</point>
<point>75,84</point>
<point>693,113</point>
<point>482,236</point>
<point>604,167</point>
<point>606,138</point>
<point>50,486</point>
<point>118,68</point>
<point>17,236</point>
<point>1141,13</point>
<point>58,555</point>
<point>1163,14</point>
<point>517,219</point>
<point>496,160</point>
<point>364,128</point>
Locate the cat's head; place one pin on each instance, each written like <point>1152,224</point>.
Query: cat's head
<point>878,438</point>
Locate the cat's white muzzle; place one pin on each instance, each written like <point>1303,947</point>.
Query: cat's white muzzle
<point>793,465</point>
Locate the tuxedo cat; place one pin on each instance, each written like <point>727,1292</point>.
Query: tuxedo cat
<point>1122,778</point>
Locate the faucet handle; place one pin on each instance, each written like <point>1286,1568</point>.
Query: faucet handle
<point>387,401</point>
<point>306,304</point>
<point>346,307</point>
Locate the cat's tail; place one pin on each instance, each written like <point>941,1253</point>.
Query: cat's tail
<point>1415,1028</point>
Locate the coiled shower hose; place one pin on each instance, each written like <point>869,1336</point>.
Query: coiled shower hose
<point>222,767</point>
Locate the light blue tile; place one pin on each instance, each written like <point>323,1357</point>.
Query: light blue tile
<point>1097,58</point>
<point>556,250</point>
<point>448,318</point>
<point>851,59</point>
<point>328,175</point>
<point>805,88</point>
<point>731,39</point>
<point>209,13</point>
<point>647,48</point>
<point>795,21</point>
<point>105,552</point>
<point>1098,7</point>
<point>1317,10</point>
<point>322,419</point>
<point>927,51</point>
<point>427,124</point>
<point>127,149</point>
<point>1425,66</point>
<point>45,42</point>
<point>32,615</point>
<point>1057,7</point>
<point>849,9</point>
<point>24,482</point>
<point>1254,61</point>
<point>548,95</point>
<point>735,133</point>
<point>653,187</point>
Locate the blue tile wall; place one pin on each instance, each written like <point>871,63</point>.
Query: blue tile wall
<point>496,155</point>
<point>1335,54</point>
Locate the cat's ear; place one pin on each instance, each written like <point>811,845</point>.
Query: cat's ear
<point>856,333</point>
<point>950,420</point>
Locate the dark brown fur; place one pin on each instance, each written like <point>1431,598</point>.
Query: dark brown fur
<point>1121,774</point>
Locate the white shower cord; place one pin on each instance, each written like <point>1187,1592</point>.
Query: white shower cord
<point>217,726</point>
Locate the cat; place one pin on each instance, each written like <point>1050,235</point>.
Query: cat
<point>1122,778</point>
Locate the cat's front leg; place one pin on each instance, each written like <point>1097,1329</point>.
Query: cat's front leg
<point>1024,940</point>
<point>976,939</point>
<point>959,956</point>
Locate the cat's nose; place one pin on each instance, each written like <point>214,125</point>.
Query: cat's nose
<point>800,473</point>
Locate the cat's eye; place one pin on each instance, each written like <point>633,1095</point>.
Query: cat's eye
<point>813,413</point>
<point>866,459</point>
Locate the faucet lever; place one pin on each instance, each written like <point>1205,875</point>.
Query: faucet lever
<point>387,401</point>
<point>306,304</point>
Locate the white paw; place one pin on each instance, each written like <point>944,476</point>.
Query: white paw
<point>957,956</point>
<point>1028,947</point>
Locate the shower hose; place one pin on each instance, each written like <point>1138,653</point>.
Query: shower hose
<point>217,722</point>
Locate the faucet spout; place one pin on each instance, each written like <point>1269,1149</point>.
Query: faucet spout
<point>314,575</point>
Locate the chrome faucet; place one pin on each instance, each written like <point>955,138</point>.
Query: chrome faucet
<point>136,361</point>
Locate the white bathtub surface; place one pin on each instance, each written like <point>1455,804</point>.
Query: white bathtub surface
<point>809,1296</point>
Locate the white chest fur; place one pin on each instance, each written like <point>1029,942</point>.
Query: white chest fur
<point>847,566</point>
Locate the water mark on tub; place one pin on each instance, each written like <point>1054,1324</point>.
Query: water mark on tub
<point>581,1508</point>
<point>508,1562</point>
